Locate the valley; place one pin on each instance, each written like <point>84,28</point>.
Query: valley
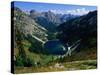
<point>43,39</point>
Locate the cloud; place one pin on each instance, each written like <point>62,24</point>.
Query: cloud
<point>56,11</point>
<point>81,11</point>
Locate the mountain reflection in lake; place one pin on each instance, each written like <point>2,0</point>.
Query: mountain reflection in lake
<point>54,47</point>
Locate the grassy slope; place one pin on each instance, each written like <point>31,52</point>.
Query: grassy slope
<point>85,59</point>
<point>75,65</point>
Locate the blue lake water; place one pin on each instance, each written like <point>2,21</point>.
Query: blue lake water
<point>54,47</point>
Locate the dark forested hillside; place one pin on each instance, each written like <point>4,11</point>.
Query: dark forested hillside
<point>83,27</point>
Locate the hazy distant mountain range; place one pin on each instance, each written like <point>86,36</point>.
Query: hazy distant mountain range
<point>50,20</point>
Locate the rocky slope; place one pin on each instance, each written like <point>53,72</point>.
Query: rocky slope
<point>29,37</point>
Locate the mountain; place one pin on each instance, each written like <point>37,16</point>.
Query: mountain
<point>50,20</point>
<point>29,36</point>
<point>27,25</point>
<point>83,27</point>
<point>66,17</point>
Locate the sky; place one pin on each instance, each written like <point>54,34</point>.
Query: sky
<point>56,8</point>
